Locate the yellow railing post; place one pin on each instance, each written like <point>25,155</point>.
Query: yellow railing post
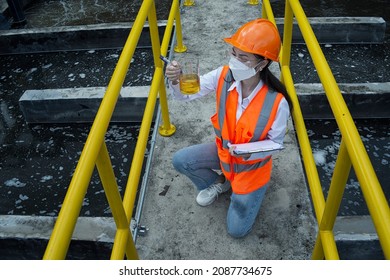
<point>136,165</point>
<point>179,36</point>
<point>174,15</point>
<point>188,3</point>
<point>253,2</point>
<point>333,201</point>
<point>166,129</point>
<point>266,11</point>
<point>304,143</point>
<point>123,241</point>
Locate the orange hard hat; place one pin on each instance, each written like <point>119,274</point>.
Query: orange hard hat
<point>258,36</point>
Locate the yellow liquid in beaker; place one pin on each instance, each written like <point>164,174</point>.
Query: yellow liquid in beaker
<point>189,83</point>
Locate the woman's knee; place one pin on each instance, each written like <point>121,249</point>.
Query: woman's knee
<point>237,225</point>
<point>179,161</point>
<point>237,231</point>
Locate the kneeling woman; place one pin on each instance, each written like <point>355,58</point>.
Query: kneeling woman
<point>252,107</point>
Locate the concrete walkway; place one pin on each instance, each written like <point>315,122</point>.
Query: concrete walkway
<point>178,227</point>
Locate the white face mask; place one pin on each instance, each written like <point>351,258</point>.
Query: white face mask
<point>240,70</point>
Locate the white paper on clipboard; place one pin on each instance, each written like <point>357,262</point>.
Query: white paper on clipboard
<point>256,147</point>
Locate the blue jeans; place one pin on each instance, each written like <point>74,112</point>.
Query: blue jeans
<point>199,163</point>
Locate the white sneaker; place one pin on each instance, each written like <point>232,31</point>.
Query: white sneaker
<point>207,196</point>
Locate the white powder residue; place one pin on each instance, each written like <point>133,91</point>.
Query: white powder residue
<point>14,182</point>
<point>46,178</point>
<point>23,197</point>
<point>47,66</point>
<point>319,157</point>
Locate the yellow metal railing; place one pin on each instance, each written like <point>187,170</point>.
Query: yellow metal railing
<point>352,152</point>
<point>95,151</point>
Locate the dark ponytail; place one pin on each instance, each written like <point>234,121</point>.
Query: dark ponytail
<point>274,83</point>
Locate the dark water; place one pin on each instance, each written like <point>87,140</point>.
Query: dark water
<point>325,141</point>
<point>37,161</point>
<point>75,12</point>
<point>337,8</point>
<point>37,169</point>
<point>348,63</point>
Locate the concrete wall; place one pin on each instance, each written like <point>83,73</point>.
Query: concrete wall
<point>342,30</point>
<point>97,36</point>
<point>368,100</point>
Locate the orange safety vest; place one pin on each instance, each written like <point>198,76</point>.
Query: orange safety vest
<point>245,175</point>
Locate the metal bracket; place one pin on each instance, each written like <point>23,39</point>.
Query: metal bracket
<point>137,229</point>
<point>142,230</point>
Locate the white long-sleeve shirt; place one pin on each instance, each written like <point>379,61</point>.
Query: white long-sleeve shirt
<point>209,83</point>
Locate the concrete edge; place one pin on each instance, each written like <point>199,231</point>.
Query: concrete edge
<point>365,30</point>
<point>354,228</point>
<point>75,28</point>
<point>82,92</point>
<point>96,36</point>
<point>364,100</point>
<point>98,229</point>
<point>81,105</point>
<point>341,30</point>
<point>103,229</point>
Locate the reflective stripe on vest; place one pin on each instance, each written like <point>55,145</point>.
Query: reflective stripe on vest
<point>228,80</point>
<point>238,168</point>
<point>264,113</point>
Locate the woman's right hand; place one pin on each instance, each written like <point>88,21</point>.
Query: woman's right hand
<point>172,72</point>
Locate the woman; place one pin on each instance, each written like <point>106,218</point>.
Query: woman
<point>252,106</point>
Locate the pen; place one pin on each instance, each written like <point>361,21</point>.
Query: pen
<point>163,58</point>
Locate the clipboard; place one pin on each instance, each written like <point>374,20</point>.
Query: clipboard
<point>250,148</point>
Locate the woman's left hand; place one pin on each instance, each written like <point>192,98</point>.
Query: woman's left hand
<point>231,152</point>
